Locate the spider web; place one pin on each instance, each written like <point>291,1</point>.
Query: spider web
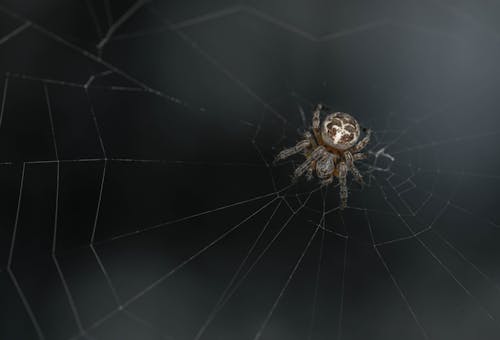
<point>139,199</point>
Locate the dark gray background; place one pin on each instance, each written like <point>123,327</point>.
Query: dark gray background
<point>138,198</point>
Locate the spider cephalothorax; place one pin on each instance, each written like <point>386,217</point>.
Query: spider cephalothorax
<point>330,150</point>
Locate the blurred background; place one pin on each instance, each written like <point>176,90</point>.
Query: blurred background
<point>139,199</point>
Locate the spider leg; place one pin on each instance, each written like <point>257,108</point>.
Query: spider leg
<point>343,184</point>
<point>359,156</point>
<point>299,147</point>
<point>316,123</point>
<point>309,172</point>
<point>307,135</point>
<point>364,142</point>
<point>309,162</point>
<point>350,165</point>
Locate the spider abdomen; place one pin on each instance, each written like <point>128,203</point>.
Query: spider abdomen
<point>340,130</point>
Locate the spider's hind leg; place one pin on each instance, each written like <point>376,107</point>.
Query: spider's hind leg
<point>359,156</point>
<point>316,123</point>
<point>364,142</point>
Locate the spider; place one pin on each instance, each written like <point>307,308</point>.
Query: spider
<point>331,150</point>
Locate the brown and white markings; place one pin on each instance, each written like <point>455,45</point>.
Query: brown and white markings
<point>330,150</point>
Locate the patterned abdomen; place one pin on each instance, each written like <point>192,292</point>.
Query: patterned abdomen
<point>340,130</point>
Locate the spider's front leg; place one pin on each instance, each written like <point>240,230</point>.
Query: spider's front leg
<point>343,184</point>
<point>351,167</point>
<point>363,143</point>
<point>310,172</point>
<point>299,147</point>
<point>309,162</point>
